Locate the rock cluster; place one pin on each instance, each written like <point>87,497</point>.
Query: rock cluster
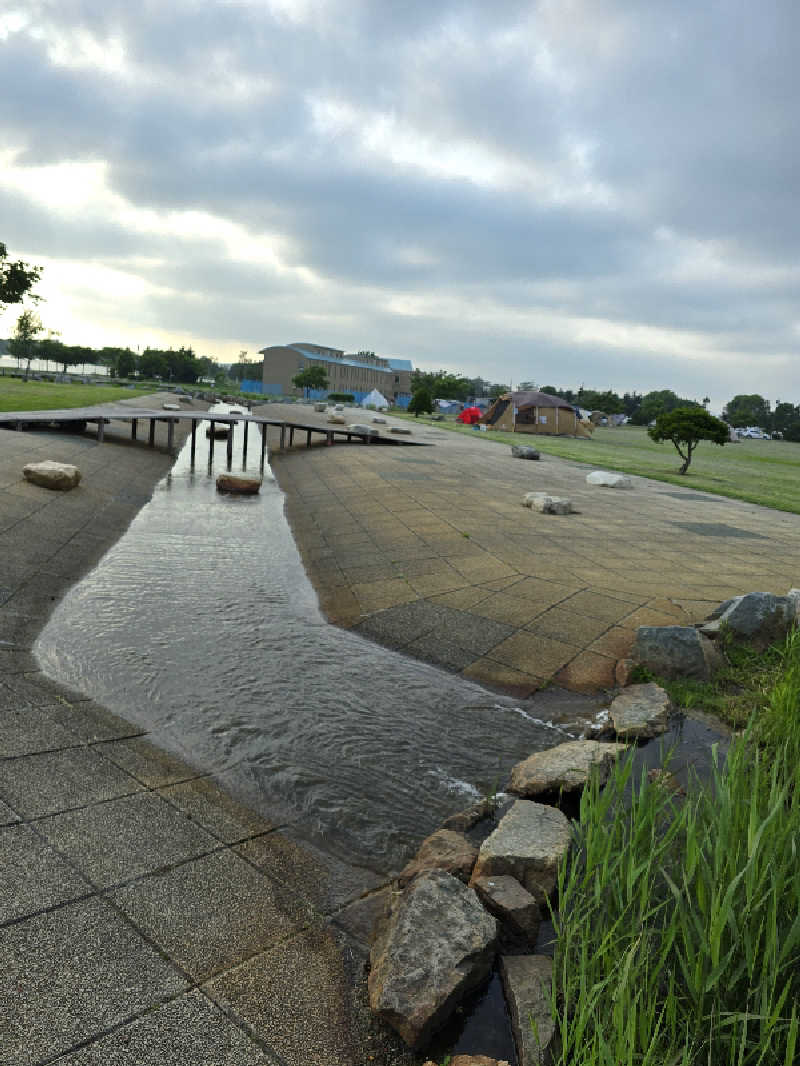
<point>544,503</point>
<point>52,475</point>
<point>440,937</point>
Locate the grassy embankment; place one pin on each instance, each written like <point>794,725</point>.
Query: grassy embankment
<point>765,472</point>
<point>18,395</point>
<point>679,925</point>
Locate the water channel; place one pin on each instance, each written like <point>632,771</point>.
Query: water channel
<point>200,625</point>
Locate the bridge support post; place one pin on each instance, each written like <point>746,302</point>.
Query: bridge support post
<point>213,425</point>
<point>101,426</point>
<point>171,436</point>
<point>231,427</point>
<point>194,438</point>
<point>263,443</point>
<point>152,439</point>
<point>244,443</point>
<point>134,424</point>
<point>283,435</point>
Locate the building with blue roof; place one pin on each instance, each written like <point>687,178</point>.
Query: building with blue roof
<point>357,373</point>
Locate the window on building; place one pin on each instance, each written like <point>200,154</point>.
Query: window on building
<point>396,380</point>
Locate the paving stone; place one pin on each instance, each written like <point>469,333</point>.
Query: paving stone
<point>533,654</point>
<point>124,838</point>
<point>8,816</point>
<point>32,875</point>
<point>189,1031</point>
<point>202,800</point>
<point>90,723</point>
<point>398,626</point>
<point>147,763</point>
<point>58,780</point>
<point>26,730</point>
<point>296,996</point>
<point>321,878</point>
<point>213,912</point>
<point>70,974</point>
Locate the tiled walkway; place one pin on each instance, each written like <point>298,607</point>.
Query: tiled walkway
<point>430,551</point>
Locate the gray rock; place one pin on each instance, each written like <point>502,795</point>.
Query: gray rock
<point>564,767</point>
<point>759,617</point>
<point>523,451</point>
<point>641,711</point>
<point>528,844</point>
<point>547,504</point>
<point>793,596</point>
<point>380,421</point>
<point>676,651</point>
<point>437,945</point>
<point>337,419</point>
<point>443,850</point>
<point>401,431</point>
<point>52,475</point>
<point>362,430</point>
<point>609,480</point>
<point>506,899</point>
<point>527,983</point>
<point>320,408</point>
<point>171,406</point>
<point>718,612</point>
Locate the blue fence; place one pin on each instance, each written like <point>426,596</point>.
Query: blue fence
<point>249,385</point>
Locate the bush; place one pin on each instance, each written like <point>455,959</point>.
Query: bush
<point>341,397</point>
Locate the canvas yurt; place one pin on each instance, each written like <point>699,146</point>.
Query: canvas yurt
<point>375,399</point>
<point>536,412</point>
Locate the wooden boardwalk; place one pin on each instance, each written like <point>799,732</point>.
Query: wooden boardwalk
<point>101,415</point>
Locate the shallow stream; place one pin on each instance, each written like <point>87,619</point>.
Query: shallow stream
<point>200,625</point>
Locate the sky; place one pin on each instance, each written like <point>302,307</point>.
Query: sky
<point>596,192</point>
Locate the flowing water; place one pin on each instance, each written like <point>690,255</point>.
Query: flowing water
<point>200,625</point>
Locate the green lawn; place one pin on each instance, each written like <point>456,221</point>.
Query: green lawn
<point>18,395</point>
<point>760,471</point>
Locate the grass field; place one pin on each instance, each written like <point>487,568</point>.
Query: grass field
<point>760,471</point>
<point>18,395</point>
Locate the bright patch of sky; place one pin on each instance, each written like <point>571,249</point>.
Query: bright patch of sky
<point>565,191</point>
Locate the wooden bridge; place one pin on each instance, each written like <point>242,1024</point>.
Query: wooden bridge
<point>80,417</point>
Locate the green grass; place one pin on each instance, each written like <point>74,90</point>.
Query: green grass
<point>18,395</point>
<point>679,919</point>
<point>765,472</point>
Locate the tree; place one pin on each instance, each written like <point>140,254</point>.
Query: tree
<point>421,402</point>
<point>686,427</point>
<point>23,344</point>
<point>658,403</point>
<point>16,279</point>
<point>313,377</point>
<point>748,410</point>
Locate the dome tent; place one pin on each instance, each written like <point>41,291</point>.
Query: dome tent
<point>375,399</point>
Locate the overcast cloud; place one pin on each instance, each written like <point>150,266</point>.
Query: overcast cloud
<point>568,191</point>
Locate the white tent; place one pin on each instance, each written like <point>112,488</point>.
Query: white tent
<point>375,399</point>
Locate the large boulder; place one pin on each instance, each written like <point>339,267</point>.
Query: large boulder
<point>527,983</point>
<point>506,899</point>
<point>676,651</point>
<point>443,850</point>
<point>436,946</point>
<point>470,1060</point>
<point>528,844</point>
<point>239,484</point>
<point>524,451</point>
<point>544,503</point>
<point>759,617</point>
<point>52,475</point>
<point>400,431</point>
<point>564,767</point>
<point>640,712</point>
<point>337,419</point>
<point>609,480</point>
<point>362,430</point>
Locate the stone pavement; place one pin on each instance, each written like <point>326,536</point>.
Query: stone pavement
<point>145,915</point>
<point>429,551</point>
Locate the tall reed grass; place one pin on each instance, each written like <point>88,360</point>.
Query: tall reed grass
<point>679,917</point>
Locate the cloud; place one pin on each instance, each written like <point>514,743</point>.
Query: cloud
<point>605,191</point>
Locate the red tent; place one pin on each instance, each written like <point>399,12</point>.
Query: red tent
<point>470,415</point>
